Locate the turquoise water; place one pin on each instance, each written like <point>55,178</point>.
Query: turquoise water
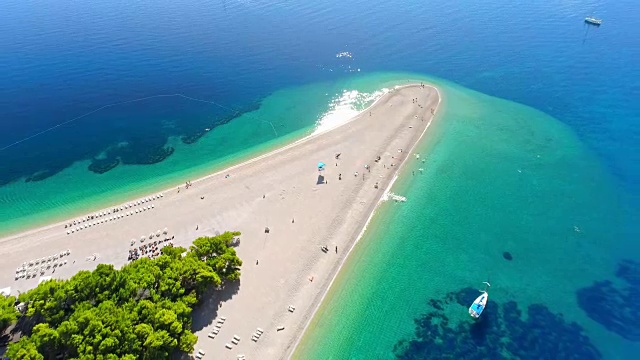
<point>108,99</point>
<point>292,113</point>
<point>499,176</point>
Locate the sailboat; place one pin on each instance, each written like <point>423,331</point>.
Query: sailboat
<point>476,309</point>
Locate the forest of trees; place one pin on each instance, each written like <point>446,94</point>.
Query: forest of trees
<point>8,313</point>
<point>142,311</point>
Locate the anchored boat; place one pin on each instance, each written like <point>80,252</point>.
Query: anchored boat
<point>593,21</point>
<point>476,309</point>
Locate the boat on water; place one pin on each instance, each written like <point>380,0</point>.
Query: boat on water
<point>476,309</point>
<point>593,21</point>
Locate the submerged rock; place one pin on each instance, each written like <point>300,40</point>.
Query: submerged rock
<point>503,332</point>
<point>101,166</point>
<point>507,255</point>
<point>612,306</point>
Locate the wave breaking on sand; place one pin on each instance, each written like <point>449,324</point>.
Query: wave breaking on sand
<point>345,107</point>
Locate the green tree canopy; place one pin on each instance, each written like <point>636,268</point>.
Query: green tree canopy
<point>142,311</point>
<point>8,313</point>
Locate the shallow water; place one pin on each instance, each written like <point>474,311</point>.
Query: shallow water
<point>497,177</point>
<point>260,73</point>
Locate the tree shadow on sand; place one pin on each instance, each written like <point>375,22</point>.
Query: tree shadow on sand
<point>612,307</point>
<point>501,333</point>
<point>212,303</point>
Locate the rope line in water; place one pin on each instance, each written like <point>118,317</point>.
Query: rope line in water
<point>129,102</point>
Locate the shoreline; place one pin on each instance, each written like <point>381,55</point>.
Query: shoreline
<point>276,148</point>
<point>318,303</point>
<point>281,190</point>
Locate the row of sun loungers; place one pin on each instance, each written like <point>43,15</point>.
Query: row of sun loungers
<point>96,222</point>
<point>256,336</point>
<point>236,339</point>
<point>151,235</point>
<point>199,354</point>
<point>217,327</point>
<point>32,273</point>
<point>111,214</point>
<point>34,267</point>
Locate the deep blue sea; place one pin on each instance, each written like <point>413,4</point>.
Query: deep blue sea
<point>95,83</point>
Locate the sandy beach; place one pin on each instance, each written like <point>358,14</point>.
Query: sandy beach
<point>283,191</point>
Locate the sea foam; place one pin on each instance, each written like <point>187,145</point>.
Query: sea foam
<point>346,106</point>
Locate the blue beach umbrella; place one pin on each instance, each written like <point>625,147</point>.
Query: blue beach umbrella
<point>320,166</point>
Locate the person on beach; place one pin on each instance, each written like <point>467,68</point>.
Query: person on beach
<point>256,262</point>
<point>336,249</point>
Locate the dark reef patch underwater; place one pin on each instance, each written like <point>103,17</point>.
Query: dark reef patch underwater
<point>501,333</point>
<point>615,308</point>
<point>124,135</point>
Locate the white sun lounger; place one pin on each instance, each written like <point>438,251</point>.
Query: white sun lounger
<point>236,337</point>
<point>228,346</point>
<point>212,335</point>
<point>234,341</point>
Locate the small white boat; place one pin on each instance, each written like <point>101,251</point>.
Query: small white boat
<point>476,309</point>
<point>593,21</point>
